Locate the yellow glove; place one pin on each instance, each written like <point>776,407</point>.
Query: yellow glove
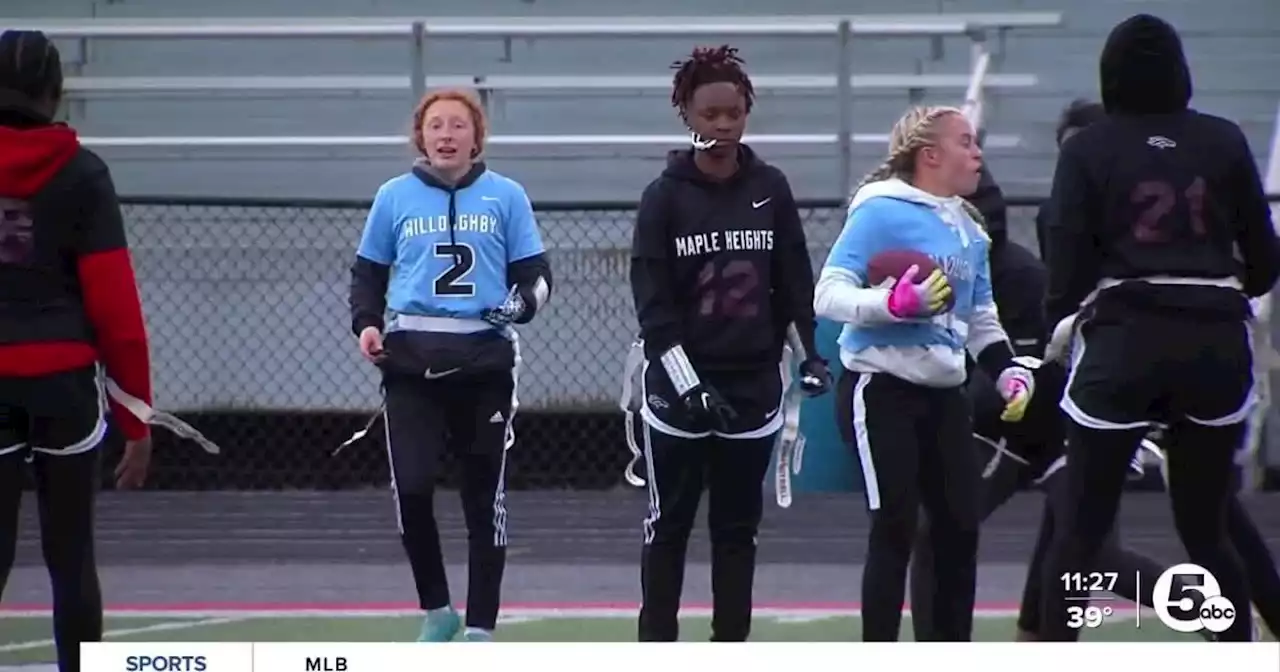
<point>936,292</point>
<point>1016,385</point>
<point>911,300</point>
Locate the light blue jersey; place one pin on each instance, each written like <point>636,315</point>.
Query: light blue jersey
<point>448,251</point>
<point>893,215</point>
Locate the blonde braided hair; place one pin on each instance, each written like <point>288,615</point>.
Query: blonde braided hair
<point>914,131</point>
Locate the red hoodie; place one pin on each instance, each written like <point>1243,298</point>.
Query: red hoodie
<point>70,297</point>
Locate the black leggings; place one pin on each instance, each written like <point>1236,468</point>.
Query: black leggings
<point>1264,581</point>
<point>1199,464</point>
<point>1006,479</point>
<point>998,487</point>
<point>915,448</point>
<point>732,473</point>
<point>1259,564</point>
<point>65,489</point>
<point>1112,557</point>
<point>470,418</point>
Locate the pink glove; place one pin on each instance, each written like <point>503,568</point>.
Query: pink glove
<point>904,301</point>
<point>910,299</point>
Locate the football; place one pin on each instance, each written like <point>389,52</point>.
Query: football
<point>893,263</point>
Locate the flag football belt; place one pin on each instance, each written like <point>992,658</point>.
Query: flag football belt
<point>790,443</point>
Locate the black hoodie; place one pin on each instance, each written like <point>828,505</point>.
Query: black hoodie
<point>721,267</point>
<point>1156,190</point>
<point>1017,276</point>
<point>68,296</point>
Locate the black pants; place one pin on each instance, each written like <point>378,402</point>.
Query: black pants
<point>915,448</point>
<point>1127,375</point>
<point>682,459</point>
<point>732,471</point>
<point>1005,478</point>
<point>56,424</point>
<point>470,417</point>
<point>1128,565</point>
<point>1259,564</point>
<point>1246,539</point>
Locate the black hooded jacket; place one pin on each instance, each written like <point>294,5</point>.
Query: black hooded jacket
<point>721,267</point>
<point>68,294</point>
<point>1156,190</point>
<point>1017,277</point>
<point>989,200</point>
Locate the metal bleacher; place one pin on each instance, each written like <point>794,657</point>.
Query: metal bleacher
<point>836,85</point>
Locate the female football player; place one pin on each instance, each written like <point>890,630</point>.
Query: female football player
<point>905,355</point>
<point>1158,234</point>
<point>721,277</point>
<point>452,251</point>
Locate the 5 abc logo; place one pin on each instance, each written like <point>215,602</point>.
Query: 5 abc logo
<point>1180,608</point>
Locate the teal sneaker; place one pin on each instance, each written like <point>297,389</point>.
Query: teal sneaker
<point>440,625</point>
<point>477,635</point>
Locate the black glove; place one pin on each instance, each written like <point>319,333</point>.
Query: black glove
<point>705,404</point>
<point>510,310</point>
<point>815,377</point>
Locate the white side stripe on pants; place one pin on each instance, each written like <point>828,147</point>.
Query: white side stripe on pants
<point>508,440</point>
<point>862,440</point>
<point>391,464</point>
<point>655,501</point>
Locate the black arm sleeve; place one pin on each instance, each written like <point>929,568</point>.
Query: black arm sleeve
<point>1074,257</point>
<point>532,278</point>
<point>656,308</point>
<point>1257,240</point>
<point>368,299</point>
<point>792,269</point>
<point>995,358</point>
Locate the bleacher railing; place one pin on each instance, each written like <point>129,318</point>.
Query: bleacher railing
<point>980,29</point>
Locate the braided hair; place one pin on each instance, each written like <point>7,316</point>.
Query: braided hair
<point>708,65</point>
<point>30,66</point>
<point>916,130</point>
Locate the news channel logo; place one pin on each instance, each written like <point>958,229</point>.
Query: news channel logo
<point>1187,598</point>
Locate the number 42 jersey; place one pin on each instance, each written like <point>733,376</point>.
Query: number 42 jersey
<point>720,267</point>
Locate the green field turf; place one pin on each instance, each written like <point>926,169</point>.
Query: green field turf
<point>25,639</point>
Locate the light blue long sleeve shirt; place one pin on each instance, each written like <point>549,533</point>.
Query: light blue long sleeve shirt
<point>893,215</point>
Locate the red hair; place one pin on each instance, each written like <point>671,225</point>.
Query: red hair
<point>465,96</point>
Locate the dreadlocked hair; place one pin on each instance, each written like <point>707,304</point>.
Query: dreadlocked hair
<point>707,65</point>
<point>30,65</point>
<point>916,130</point>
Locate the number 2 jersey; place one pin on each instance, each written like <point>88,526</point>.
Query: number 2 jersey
<point>434,257</point>
<point>721,267</point>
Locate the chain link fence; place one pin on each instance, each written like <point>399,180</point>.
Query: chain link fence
<point>246,303</point>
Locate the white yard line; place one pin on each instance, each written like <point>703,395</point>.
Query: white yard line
<point>123,632</point>
<point>520,613</point>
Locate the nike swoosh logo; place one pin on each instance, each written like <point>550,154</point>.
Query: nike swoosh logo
<point>772,413</point>
<point>432,376</point>
<point>760,204</point>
